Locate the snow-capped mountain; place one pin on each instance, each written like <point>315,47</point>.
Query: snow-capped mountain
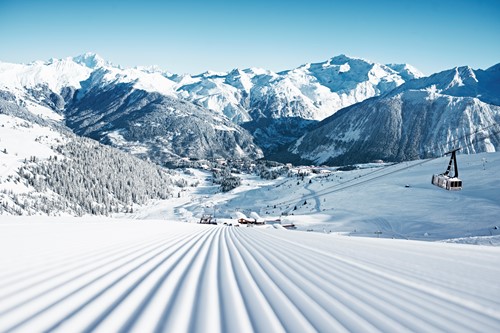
<point>115,110</point>
<point>311,92</point>
<point>463,82</point>
<point>160,115</point>
<point>422,118</point>
<point>87,86</point>
<point>276,108</point>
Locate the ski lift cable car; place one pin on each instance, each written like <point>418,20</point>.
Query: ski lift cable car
<point>447,180</point>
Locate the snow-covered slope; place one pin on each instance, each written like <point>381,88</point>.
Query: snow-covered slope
<point>45,169</point>
<point>155,276</point>
<point>21,141</point>
<point>421,118</point>
<point>106,275</point>
<point>373,200</point>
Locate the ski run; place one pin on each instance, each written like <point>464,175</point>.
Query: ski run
<point>105,275</point>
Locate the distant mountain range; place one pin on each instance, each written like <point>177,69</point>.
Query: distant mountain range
<point>343,110</point>
<point>278,107</point>
<point>137,110</point>
<point>419,119</point>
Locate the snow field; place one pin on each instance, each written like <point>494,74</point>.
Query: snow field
<point>21,140</point>
<point>105,275</point>
<point>366,201</point>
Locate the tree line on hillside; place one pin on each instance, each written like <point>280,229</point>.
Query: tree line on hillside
<point>88,178</point>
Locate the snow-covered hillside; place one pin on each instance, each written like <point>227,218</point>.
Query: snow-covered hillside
<point>421,118</point>
<point>45,169</point>
<point>376,200</point>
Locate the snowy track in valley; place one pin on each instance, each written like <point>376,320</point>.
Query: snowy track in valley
<point>121,276</point>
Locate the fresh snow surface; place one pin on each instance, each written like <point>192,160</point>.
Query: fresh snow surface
<point>20,140</point>
<point>43,111</point>
<point>104,275</point>
<point>377,200</point>
<point>56,74</point>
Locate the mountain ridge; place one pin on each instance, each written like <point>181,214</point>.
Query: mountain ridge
<point>287,103</point>
<point>419,119</point>
<point>101,100</point>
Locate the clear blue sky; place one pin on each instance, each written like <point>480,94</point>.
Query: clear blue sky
<point>191,36</point>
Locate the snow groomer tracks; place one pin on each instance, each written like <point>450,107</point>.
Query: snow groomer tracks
<point>121,276</point>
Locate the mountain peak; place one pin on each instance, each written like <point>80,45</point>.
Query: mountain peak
<point>210,73</point>
<point>463,75</point>
<point>408,72</point>
<point>152,69</point>
<point>90,60</point>
<point>465,70</point>
<point>342,58</point>
<point>235,72</point>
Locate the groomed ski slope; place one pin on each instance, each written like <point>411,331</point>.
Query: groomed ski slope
<point>103,275</point>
